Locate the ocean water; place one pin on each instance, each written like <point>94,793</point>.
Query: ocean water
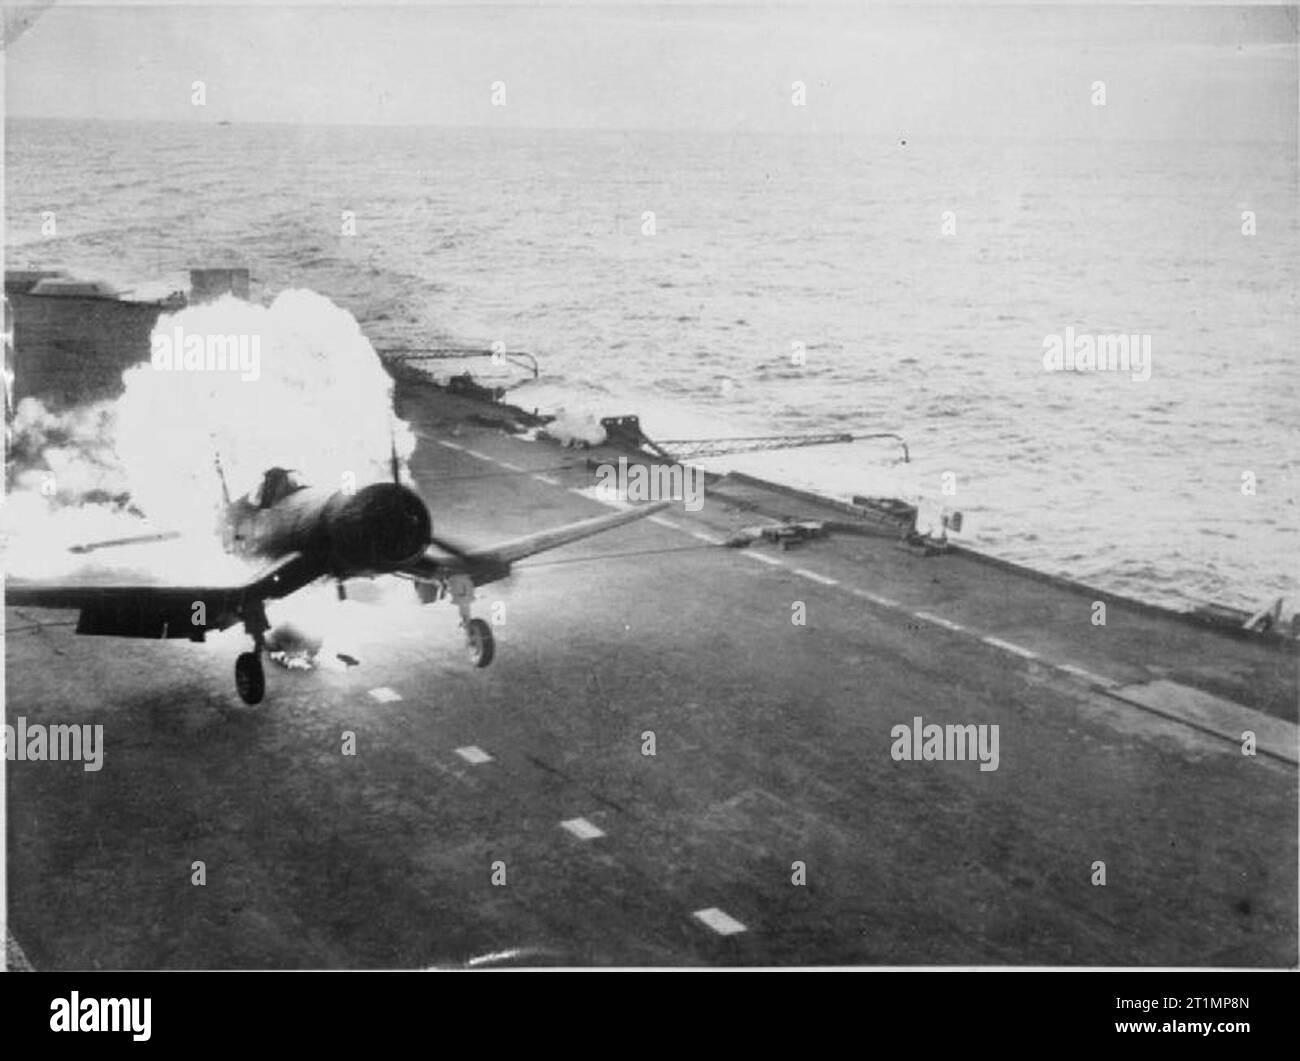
<point>540,240</point>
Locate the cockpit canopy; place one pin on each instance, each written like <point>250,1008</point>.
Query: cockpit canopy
<point>276,485</point>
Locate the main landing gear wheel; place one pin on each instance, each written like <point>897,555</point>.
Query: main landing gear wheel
<point>250,679</point>
<point>481,645</point>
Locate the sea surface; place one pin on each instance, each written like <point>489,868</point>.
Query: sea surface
<point>542,240</point>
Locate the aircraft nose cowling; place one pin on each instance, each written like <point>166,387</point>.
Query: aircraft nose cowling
<point>379,528</point>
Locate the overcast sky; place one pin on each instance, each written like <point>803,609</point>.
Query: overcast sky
<point>1216,73</point>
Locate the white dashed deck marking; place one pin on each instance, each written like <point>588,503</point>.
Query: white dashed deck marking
<point>823,579</point>
<point>548,480</point>
<point>476,453</point>
<point>472,753</point>
<point>512,467</point>
<point>875,598</point>
<point>496,956</point>
<point>664,522</point>
<point>450,445</point>
<point>1087,675</point>
<point>762,558</point>
<point>997,642</point>
<point>721,923</point>
<point>385,695</point>
<point>705,537</point>
<point>947,624</point>
<point>582,829</point>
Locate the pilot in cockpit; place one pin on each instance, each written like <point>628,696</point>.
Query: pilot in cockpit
<point>276,485</point>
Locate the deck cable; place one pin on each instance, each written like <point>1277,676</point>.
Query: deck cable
<point>436,479</point>
<point>617,556</point>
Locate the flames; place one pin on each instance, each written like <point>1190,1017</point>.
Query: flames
<point>321,403</point>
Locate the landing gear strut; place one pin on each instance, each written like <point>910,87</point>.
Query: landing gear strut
<point>480,644</point>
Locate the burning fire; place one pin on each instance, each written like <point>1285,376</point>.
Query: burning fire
<point>145,463</point>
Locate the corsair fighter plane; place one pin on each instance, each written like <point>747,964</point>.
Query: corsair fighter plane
<point>301,534</point>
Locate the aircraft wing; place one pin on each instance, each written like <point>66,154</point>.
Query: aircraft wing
<point>493,563</point>
<point>143,609</point>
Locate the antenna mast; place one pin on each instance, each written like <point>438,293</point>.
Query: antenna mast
<point>225,490</point>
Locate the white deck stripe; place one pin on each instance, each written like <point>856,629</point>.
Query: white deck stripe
<point>704,537</point>
<point>548,480</point>
<point>816,577</point>
<point>385,695</point>
<point>762,558</point>
<point>938,620</point>
<point>721,923</point>
<point>476,453</point>
<point>512,467</point>
<point>664,522</point>
<point>450,445</point>
<point>472,753</point>
<point>582,829</point>
<point>875,598</point>
<point>1087,675</point>
<point>495,956</point>
<point>997,642</point>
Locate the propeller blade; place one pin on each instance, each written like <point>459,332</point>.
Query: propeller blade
<point>138,539</point>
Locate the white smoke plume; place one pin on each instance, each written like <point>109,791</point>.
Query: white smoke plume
<point>320,403</point>
<point>577,427</point>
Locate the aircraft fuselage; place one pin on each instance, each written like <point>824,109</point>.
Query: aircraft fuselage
<point>370,531</point>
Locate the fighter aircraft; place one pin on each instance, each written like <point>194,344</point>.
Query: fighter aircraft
<point>304,534</point>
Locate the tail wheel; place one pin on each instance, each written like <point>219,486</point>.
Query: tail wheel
<point>481,643</point>
<point>250,679</point>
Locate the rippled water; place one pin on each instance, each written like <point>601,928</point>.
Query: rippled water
<point>539,240</point>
